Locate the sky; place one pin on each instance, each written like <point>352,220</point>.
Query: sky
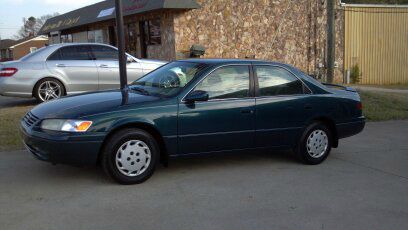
<point>12,11</point>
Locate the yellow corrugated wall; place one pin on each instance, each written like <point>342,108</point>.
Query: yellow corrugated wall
<point>377,40</point>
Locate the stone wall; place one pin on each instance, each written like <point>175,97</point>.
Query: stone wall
<point>288,31</point>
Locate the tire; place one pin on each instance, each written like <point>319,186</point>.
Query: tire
<point>53,85</point>
<point>315,144</point>
<point>130,156</point>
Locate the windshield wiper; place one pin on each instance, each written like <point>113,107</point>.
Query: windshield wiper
<point>140,90</point>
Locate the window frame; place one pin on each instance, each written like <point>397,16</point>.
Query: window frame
<point>257,88</point>
<point>251,84</point>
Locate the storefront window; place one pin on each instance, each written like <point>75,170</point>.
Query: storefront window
<point>98,36</point>
<point>80,37</point>
<point>154,32</point>
<point>67,38</point>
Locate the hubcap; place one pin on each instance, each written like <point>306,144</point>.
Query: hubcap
<point>49,90</point>
<point>133,158</point>
<point>317,143</point>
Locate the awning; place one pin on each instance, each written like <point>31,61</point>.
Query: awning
<point>106,10</point>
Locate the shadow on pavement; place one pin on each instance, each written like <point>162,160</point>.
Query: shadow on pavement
<point>45,173</point>
<point>8,102</point>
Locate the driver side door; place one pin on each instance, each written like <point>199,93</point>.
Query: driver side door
<point>227,120</point>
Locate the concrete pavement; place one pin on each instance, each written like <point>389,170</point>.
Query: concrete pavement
<point>362,185</point>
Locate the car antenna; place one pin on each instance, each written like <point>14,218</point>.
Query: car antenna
<point>121,45</point>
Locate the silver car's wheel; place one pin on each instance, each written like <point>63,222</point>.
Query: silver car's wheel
<point>49,90</point>
<point>317,143</point>
<point>133,158</point>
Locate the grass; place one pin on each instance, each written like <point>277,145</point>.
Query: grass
<point>379,106</point>
<point>397,86</point>
<point>9,127</point>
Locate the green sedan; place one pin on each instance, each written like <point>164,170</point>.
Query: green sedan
<point>195,106</point>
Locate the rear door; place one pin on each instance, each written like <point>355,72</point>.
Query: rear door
<point>282,106</point>
<point>107,62</point>
<point>76,65</point>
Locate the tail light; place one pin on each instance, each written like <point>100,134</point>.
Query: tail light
<point>360,106</point>
<point>8,72</point>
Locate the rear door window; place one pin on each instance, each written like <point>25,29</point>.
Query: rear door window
<point>275,81</point>
<point>72,53</point>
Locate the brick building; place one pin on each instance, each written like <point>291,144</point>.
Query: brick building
<point>288,31</point>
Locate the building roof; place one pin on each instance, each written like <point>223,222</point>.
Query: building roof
<point>6,43</point>
<point>23,41</point>
<point>105,10</point>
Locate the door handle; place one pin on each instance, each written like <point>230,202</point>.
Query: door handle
<point>247,111</point>
<point>60,65</point>
<point>308,107</point>
<point>104,66</point>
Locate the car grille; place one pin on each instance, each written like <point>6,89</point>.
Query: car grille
<point>30,119</point>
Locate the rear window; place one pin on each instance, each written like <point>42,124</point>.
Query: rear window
<point>28,56</point>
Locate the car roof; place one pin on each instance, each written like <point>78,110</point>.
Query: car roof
<point>215,61</point>
<point>75,44</point>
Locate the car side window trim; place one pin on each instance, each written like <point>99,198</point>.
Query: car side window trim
<point>257,95</point>
<point>251,84</point>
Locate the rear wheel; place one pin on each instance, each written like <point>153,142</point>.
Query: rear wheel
<point>315,144</point>
<point>48,89</point>
<point>130,156</point>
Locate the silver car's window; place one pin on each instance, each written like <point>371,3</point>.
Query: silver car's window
<point>277,81</point>
<point>104,53</point>
<point>72,53</point>
<point>227,82</point>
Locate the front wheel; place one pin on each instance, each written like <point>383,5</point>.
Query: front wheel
<point>130,156</point>
<point>315,144</point>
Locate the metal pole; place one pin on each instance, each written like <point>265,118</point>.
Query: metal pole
<point>331,40</point>
<point>121,44</point>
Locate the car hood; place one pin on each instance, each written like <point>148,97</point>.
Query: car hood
<point>73,107</point>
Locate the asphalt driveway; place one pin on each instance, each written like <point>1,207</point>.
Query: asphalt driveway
<point>362,185</point>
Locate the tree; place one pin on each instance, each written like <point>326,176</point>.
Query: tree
<point>32,26</point>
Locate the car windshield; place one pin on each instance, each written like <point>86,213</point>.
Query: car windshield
<point>169,79</point>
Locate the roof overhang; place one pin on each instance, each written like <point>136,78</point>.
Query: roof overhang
<point>105,10</point>
<point>39,38</point>
<point>373,5</point>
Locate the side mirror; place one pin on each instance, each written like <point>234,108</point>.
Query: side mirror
<point>197,95</point>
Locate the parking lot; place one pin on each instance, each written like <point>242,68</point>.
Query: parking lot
<point>362,185</point>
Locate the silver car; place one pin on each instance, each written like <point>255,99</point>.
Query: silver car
<point>65,69</point>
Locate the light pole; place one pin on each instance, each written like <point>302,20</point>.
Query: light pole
<point>121,45</point>
<point>331,40</point>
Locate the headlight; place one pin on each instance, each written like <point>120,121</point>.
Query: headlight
<point>66,125</point>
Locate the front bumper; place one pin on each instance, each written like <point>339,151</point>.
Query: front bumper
<point>62,148</point>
